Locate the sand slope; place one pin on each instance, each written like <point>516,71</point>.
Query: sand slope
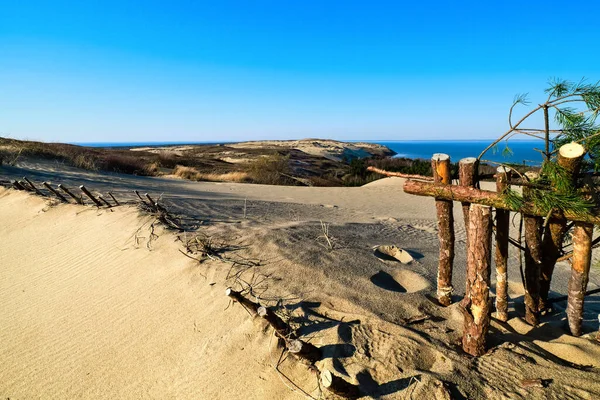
<point>88,314</point>
<point>91,309</point>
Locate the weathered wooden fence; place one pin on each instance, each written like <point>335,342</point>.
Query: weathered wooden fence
<point>541,253</point>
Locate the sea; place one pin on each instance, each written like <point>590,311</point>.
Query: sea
<point>517,152</point>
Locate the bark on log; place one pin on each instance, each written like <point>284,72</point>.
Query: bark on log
<point>440,164</point>
<point>113,197</point>
<point>580,269</point>
<point>467,176</point>
<point>533,259</point>
<point>55,192</point>
<point>483,197</point>
<point>339,386</point>
<point>569,158</point>
<point>249,305</point>
<point>304,350</point>
<point>399,174</point>
<point>91,196</point>
<point>476,308</point>
<point>501,255</point>
<point>282,329</point>
<point>67,191</point>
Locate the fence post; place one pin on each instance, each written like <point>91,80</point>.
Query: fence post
<point>533,259</point>
<point>440,164</point>
<point>580,269</point>
<point>503,175</point>
<point>91,196</point>
<point>476,308</point>
<point>569,158</point>
<point>51,189</point>
<point>67,191</point>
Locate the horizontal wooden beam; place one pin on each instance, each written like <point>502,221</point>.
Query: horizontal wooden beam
<point>487,198</point>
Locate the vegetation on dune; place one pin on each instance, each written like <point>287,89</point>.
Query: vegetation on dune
<point>569,114</point>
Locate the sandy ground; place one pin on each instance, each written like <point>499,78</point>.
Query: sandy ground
<point>102,304</point>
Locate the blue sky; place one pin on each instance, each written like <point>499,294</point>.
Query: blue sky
<point>110,71</point>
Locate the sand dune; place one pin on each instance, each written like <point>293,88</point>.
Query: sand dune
<point>94,306</point>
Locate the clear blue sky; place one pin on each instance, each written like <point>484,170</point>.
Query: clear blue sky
<point>89,71</point>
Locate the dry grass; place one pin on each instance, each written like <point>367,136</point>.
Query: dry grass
<point>193,174</point>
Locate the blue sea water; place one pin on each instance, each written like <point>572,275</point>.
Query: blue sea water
<point>521,151</point>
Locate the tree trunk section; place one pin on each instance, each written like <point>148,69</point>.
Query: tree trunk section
<point>467,176</point>
<point>440,164</point>
<point>476,308</point>
<point>533,259</point>
<point>569,157</point>
<point>501,255</point>
<point>582,253</point>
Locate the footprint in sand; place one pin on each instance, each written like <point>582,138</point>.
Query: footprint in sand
<point>400,281</point>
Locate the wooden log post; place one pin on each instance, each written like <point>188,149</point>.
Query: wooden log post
<point>249,305</point>
<point>476,308</point>
<point>35,189</point>
<point>55,192</point>
<point>103,200</point>
<point>113,197</point>
<point>26,186</point>
<point>440,164</point>
<point>339,386</point>
<point>91,196</point>
<point>580,269</point>
<point>304,350</point>
<point>503,175</point>
<point>282,329</point>
<point>533,259</point>
<point>142,199</point>
<point>79,200</point>
<point>467,177</point>
<point>18,186</point>
<point>569,158</point>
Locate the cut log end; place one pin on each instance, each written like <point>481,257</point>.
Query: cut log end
<point>440,157</point>
<point>571,150</point>
<point>468,160</point>
<point>262,311</point>
<point>304,350</point>
<point>503,170</point>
